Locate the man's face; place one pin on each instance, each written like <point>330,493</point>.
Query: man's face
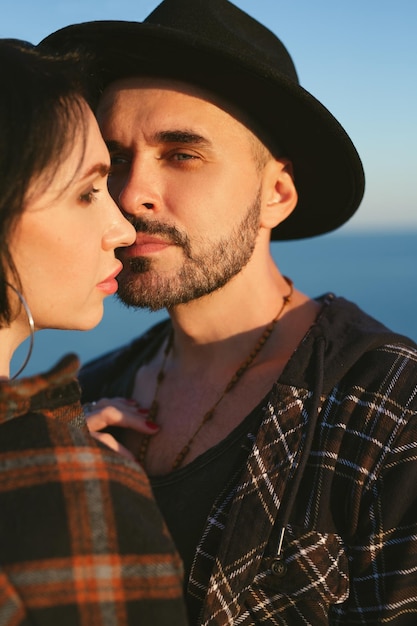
<point>184,171</point>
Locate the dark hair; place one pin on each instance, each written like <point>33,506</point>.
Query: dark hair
<point>40,108</point>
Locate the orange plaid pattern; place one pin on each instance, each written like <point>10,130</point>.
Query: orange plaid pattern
<point>81,539</point>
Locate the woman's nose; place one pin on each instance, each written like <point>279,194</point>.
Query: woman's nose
<point>120,232</point>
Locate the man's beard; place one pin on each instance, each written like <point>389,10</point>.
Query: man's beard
<point>202,271</point>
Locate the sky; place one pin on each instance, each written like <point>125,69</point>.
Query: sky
<point>358,57</point>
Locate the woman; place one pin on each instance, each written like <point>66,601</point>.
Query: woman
<point>81,540</point>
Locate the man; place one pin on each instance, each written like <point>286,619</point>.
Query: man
<point>284,458</point>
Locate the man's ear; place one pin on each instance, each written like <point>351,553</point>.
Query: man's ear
<point>279,193</point>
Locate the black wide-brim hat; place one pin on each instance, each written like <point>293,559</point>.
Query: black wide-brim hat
<point>216,46</point>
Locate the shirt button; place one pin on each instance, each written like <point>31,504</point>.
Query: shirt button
<point>278,567</point>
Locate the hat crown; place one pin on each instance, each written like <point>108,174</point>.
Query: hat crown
<point>214,45</point>
<point>221,23</point>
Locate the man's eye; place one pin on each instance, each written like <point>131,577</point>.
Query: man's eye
<point>117,163</point>
<point>184,156</point>
<point>118,160</point>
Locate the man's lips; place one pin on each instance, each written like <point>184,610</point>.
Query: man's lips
<point>145,244</point>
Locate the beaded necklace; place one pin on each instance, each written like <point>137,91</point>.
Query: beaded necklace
<point>153,411</point>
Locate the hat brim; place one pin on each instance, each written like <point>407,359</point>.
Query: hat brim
<point>327,169</point>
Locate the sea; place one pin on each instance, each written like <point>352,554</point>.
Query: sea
<point>376,271</point>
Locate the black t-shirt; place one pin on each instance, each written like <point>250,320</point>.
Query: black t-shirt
<point>186,496</point>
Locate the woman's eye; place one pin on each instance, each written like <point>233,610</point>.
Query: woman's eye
<point>89,196</point>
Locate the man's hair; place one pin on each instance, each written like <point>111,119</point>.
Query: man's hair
<point>261,153</point>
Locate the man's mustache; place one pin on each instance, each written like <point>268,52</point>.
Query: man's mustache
<point>167,231</point>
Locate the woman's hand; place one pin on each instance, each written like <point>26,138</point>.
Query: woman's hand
<point>119,412</point>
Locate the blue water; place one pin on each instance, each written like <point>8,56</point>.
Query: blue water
<point>378,272</point>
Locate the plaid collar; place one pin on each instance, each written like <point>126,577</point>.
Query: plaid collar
<point>55,393</point>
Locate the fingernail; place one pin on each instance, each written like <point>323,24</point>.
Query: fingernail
<point>152,425</point>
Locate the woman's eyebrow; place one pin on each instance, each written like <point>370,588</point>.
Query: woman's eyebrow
<point>100,168</point>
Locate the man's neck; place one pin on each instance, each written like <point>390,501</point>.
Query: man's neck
<point>226,324</point>
<point>213,338</point>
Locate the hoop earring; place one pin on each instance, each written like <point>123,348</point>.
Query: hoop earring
<point>31,328</point>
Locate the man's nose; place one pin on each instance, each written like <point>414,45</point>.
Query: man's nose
<point>137,193</point>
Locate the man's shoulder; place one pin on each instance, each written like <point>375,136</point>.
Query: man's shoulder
<point>351,346</point>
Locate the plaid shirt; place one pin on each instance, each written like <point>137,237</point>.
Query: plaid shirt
<point>81,540</point>
<point>344,489</point>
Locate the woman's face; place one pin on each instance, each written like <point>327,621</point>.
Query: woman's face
<point>63,245</point>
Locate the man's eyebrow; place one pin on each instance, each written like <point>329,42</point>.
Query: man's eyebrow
<point>181,136</point>
<point>166,136</point>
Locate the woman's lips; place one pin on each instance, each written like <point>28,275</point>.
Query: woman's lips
<point>109,285</point>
